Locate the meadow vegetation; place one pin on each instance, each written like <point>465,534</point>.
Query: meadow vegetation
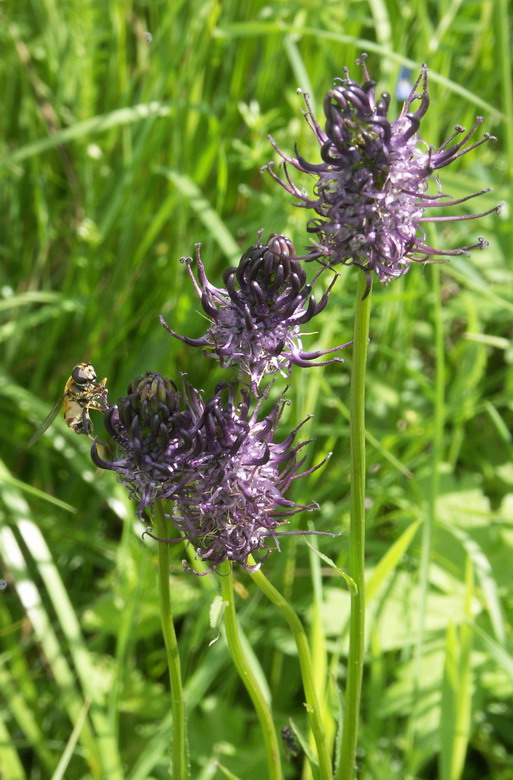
<point>119,152</point>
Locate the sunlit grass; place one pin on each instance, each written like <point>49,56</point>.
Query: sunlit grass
<point>117,156</point>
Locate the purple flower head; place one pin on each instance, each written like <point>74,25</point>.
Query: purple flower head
<point>154,439</point>
<point>255,323</point>
<point>215,462</point>
<point>371,189</point>
<point>231,498</point>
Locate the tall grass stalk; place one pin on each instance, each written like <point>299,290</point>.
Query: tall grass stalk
<point>247,675</point>
<point>313,706</point>
<point>430,511</point>
<point>178,747</point>
<point>355,658</point>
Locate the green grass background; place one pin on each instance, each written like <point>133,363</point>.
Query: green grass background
<point>117,156</point>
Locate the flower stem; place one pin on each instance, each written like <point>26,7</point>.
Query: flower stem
<point>305,662</point>
<point>247,675</point>
<point>346,769</point>
<point>179,756</point>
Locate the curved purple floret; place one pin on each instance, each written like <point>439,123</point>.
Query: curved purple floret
<point>256,319</point>
<point>370,193</point>
<point>214,462</point>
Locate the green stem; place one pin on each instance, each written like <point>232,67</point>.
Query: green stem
<point>179,755</point>
<point>247,676</point>
<point>305,663</point>
<point>355,659</point>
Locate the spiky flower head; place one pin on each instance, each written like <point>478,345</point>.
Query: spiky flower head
<point>215,463</point>
<point>371,190</point>
<point>255,322</point>
<point>232,500</point>
<point>154,437</point>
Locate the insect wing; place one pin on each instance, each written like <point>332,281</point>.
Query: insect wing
<point>46,422</point>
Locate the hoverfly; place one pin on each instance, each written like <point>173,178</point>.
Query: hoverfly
<point>81,393</point>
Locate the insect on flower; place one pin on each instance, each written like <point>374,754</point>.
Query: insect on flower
<point>82,392</point>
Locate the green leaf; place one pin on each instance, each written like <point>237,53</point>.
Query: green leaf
<point>389,561</point>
